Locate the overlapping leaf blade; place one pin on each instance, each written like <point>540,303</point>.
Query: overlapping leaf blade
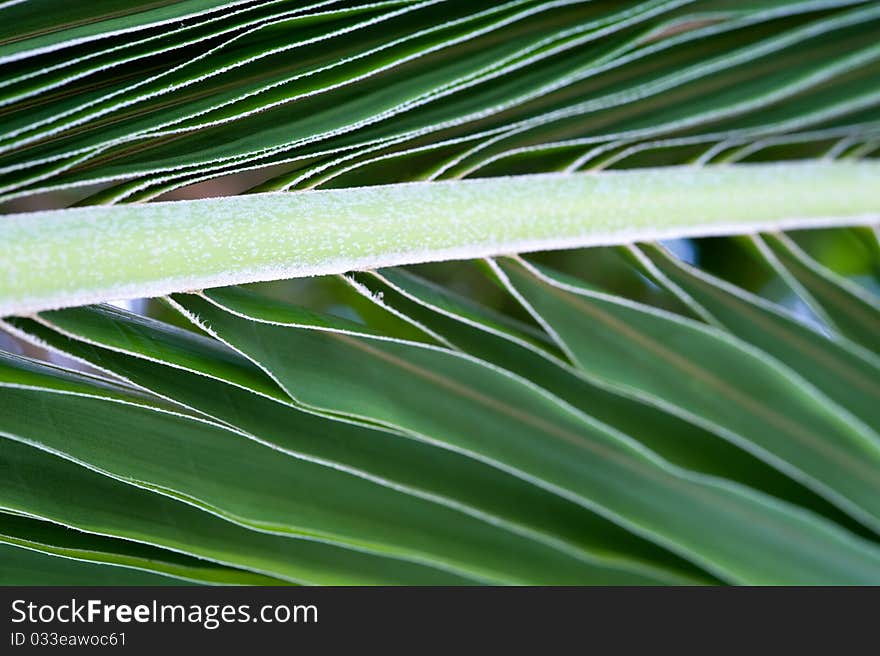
<point>513,428</point>
<point>392,73</point>
<point>754,400</point>
<point>655,422</point>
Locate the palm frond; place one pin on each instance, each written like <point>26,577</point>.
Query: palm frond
<point>698,410</point>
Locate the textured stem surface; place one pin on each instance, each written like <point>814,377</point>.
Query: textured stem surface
<point>76,256</point>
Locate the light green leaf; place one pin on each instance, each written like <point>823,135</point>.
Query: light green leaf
<point>72,257</point>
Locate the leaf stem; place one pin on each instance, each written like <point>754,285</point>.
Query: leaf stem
<point>84,255</point>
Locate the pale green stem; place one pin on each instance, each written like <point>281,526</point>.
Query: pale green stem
<point>84,255</point>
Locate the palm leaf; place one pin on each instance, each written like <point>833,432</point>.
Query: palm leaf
<point>697,410</point>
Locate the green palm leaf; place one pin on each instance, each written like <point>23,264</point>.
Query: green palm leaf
<point>700,409</point>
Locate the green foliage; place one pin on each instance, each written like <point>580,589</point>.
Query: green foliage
<point>143,102</point>
<point>700,411</point>
<point>396,431</point>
